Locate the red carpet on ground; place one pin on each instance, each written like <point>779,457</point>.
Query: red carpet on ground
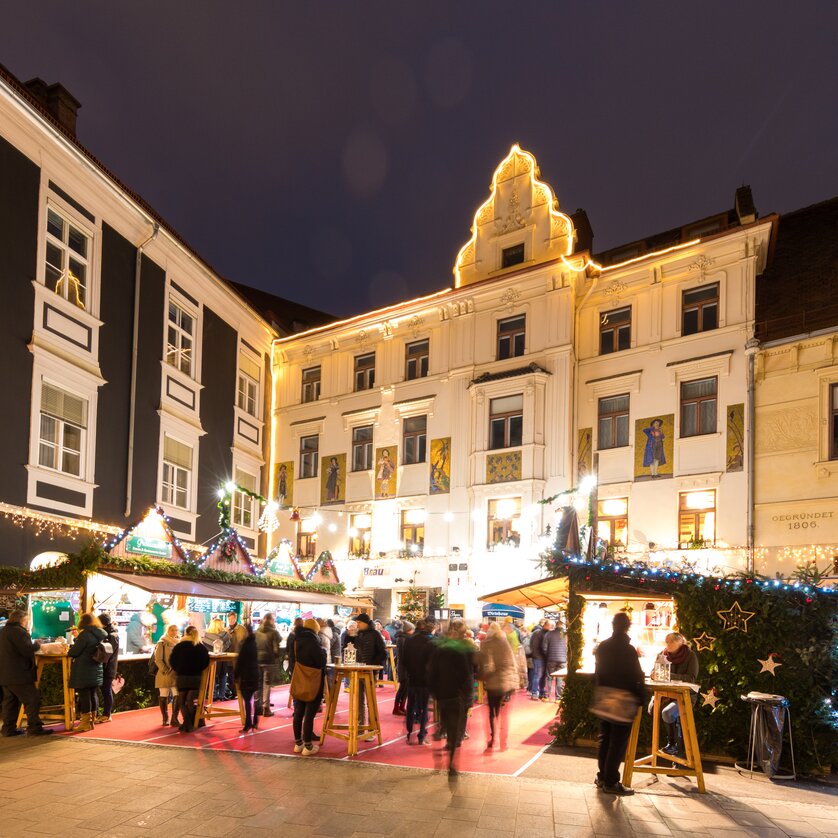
<point>522,737</point>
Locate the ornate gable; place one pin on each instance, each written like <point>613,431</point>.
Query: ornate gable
<point>521,211</point>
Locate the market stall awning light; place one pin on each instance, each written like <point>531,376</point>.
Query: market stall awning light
<point>543,593</point>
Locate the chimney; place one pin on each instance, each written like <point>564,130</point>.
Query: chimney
<point>584,231</point>
<point>57,101</point>
<point>745,208</point>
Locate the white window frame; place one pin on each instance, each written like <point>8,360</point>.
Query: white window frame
<point>51,202</point>
<point>58,447</point>
<point>176,469</point>
<point>176,300</point>
<point>240,502</point>
<point>248,381</point>
<point>187,434</point>
<point>79,382</point>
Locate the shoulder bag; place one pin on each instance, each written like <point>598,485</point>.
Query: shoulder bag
<point>612,704</point>
<point>306,680</point>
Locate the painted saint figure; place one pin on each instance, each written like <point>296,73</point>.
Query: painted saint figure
<point>653,454</point>
<point>385,472</point>
<point>332,481</point>
<point>282,485</point>
<point>440,470</point>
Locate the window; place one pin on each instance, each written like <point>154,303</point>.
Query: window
<point>360,533</point>
<point>612,521</point>
<point>180,338</point>
<point>62,430</point>
<point>306,545</point>
<point>177,472</point>
<point>249,374</point>
<point>416,360</point>
<point>505,522</point>
<point>414,439</point>
<point>698,407</point>
<point>696,518</point>
<point>506,421</point>
<point>311,384</point>
<point>833,421</point>
<point>309,455</point>
<point>700,310</point>
<point>613,422</point>
<point>362,448</point>
<point>615,330</point>
<point>243,512</point>
<point>365,371</point>
<point>412,532</point>
<point>67,259</point>
<point>510,256</point>
<point>511,334</point>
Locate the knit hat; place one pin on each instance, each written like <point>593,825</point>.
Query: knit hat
<point>407,626</point>
<point>363,618</point>
<point>312,625</point>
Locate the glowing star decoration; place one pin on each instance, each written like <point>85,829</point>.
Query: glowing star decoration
<point>703,642</point>
<point>769,664</point>
<point>268,522</point>
<point>710,697</point>
<point>735,619</point>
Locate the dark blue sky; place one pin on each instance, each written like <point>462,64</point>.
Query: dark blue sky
<point>334,151</point>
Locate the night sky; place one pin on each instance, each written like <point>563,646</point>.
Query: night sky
<point>334,152</point>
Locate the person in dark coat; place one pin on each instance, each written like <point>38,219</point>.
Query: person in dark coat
<point>289,643</point>
<point>683,663</point>
<point>451,682</point>
<point>554,647</point>
<point>268,644</point>
<point>17,676</point>
<point>248,676</point>
<point>617,666</point>
<point>189,659</point>
<point>308,651</point>
<point>372,650</point>
<point>85,673</point>
<point>109,669</point>
<point>538,687</point>
<point>406,628</point>
<point>413,670</point>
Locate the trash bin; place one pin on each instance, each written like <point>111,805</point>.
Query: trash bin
<point>770,716</point>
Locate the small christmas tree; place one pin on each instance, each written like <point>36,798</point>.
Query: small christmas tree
<point>413,605</point>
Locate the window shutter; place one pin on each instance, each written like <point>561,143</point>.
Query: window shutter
<point>177,453</point>
<point>65,406</point>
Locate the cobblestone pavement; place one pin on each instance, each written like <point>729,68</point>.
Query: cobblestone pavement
<point>65,787</point>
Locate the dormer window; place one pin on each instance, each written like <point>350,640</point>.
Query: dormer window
<point>510,256</point>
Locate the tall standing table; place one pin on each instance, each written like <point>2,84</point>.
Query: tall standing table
<point>205,709</point>
<point>361,676</point>
<point>687,766</point>
<point>57,712</point>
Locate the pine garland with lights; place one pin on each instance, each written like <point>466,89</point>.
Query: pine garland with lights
<point>793,619</point>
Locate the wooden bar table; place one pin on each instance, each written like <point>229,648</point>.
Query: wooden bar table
<point>205,709</point>
<point>361,676</point>
<point>394,679</point>
<point>56,712</point>
<point>687,766</point>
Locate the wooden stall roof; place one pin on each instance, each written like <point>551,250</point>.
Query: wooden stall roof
<point>543,593</point>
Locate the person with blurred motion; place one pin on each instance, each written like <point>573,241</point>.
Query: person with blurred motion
<point>217,639</point>
<point>86,673</point>
<point>136,636</point>
<point>617,669</point>
<point>372,651</point>
<point>310,657</point>
<point>17,676</point>
<point>165,678</point>
<point>189,659</point>
<point>109,668</point>
<point>334,650</point>
<point>451,683</point>
<point>268,646</point>
<point>248,675</point>
<point>499,673</point>
<point>514,639</point>
<point>404,631</point>
<point>413,662</point>
<point>237,632</point>
<point>538,674</point>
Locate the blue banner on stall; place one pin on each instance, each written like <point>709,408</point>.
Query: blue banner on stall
<point>498,610</point>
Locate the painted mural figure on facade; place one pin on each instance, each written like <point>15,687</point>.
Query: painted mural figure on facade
<point>384,473</point>
<point>282,485</point>
<point>654,456</point>
<point>333,481</point>
<point>440,466</point>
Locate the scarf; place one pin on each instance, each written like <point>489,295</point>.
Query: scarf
<point>678,657</point>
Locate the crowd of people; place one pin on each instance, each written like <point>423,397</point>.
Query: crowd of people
<point>432,665</point>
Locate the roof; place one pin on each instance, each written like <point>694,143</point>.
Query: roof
<point>798,291</point>
<point>518,371</point>
<point>24,93</point>
<point>285,316</point>
<point>543,593</point>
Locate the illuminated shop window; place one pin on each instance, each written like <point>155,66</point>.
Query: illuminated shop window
<point>504,522</point>
<point>360,534</point>
<point>612,521</point>
<point>615,330</point>
<point>412,532</point>
<point>697,518</point>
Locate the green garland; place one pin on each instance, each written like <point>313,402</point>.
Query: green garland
<point>797,624</point>
<point>224,503</point>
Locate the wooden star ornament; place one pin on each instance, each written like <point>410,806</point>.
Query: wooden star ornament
<point>735,619</point>
<point>710,697</point>
<point>769,664</point>
<point>703,642</point>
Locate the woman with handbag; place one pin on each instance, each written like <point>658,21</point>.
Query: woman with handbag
<point>86,672</point>
<point>248,675</point>
<point>618,693</point>
<point>307,685</point>
<point>109,669</point>
<point>165,678</point>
